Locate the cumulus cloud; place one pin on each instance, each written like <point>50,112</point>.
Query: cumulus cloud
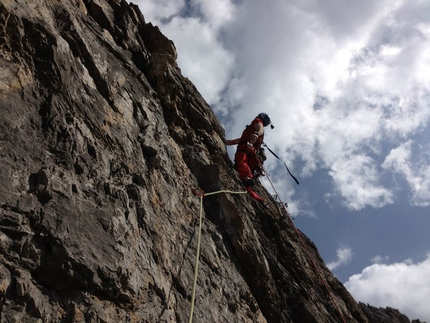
<point>404,285</point>
<point>343,82</point>
<point>357,182</point>
<point>194,26</point>
<point>344,256</point>
<point>202,52</point>
<point>155,11</point>
<point>380,259</point>
<point>416,172</point>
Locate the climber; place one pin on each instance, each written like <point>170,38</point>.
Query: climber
<point>249,155</point>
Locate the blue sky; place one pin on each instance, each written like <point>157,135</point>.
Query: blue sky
<point>347,85</point>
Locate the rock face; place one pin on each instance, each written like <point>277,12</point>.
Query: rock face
<point>385,315</point>
<point>104,146</point>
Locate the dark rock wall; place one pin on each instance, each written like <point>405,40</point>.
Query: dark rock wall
<point>102,144</point>
<point>388,314</point>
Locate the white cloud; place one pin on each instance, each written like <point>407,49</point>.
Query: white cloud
<point>201,51</point>
<point>416,172</point>
<point>195,31</point>
<point>380,259</point>
<point>216,13</point>
<point>344,256</point>
<point>405,286</point>
<point>156,10</point>
<point>357,181</point>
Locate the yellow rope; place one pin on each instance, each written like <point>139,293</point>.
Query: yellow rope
<point>201,195</point>
<point>193,294</point>
<point>225,191</point>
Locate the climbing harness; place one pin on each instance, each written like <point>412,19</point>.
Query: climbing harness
<point>200,193</point>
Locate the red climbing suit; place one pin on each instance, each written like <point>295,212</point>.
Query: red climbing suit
<point>246,159</point>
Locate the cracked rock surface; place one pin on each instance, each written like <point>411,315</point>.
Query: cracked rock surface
<point>103,146</point>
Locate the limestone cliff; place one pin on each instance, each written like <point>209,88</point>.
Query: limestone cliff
<point>102,145</point>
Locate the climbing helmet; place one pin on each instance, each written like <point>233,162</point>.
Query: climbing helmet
<point>265,118</point>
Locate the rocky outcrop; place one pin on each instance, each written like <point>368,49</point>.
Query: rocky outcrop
<point>387,314</point>
<point>104,148</point>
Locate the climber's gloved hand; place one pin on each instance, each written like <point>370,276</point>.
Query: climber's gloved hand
<point>251,148</point>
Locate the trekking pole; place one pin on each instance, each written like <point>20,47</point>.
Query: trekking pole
<point>295,179</point>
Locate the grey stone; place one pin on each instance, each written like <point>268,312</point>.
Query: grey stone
<point>105,149</point>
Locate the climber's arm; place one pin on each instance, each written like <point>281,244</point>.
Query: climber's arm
<point>232,142</point>
<point>259,130</point>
